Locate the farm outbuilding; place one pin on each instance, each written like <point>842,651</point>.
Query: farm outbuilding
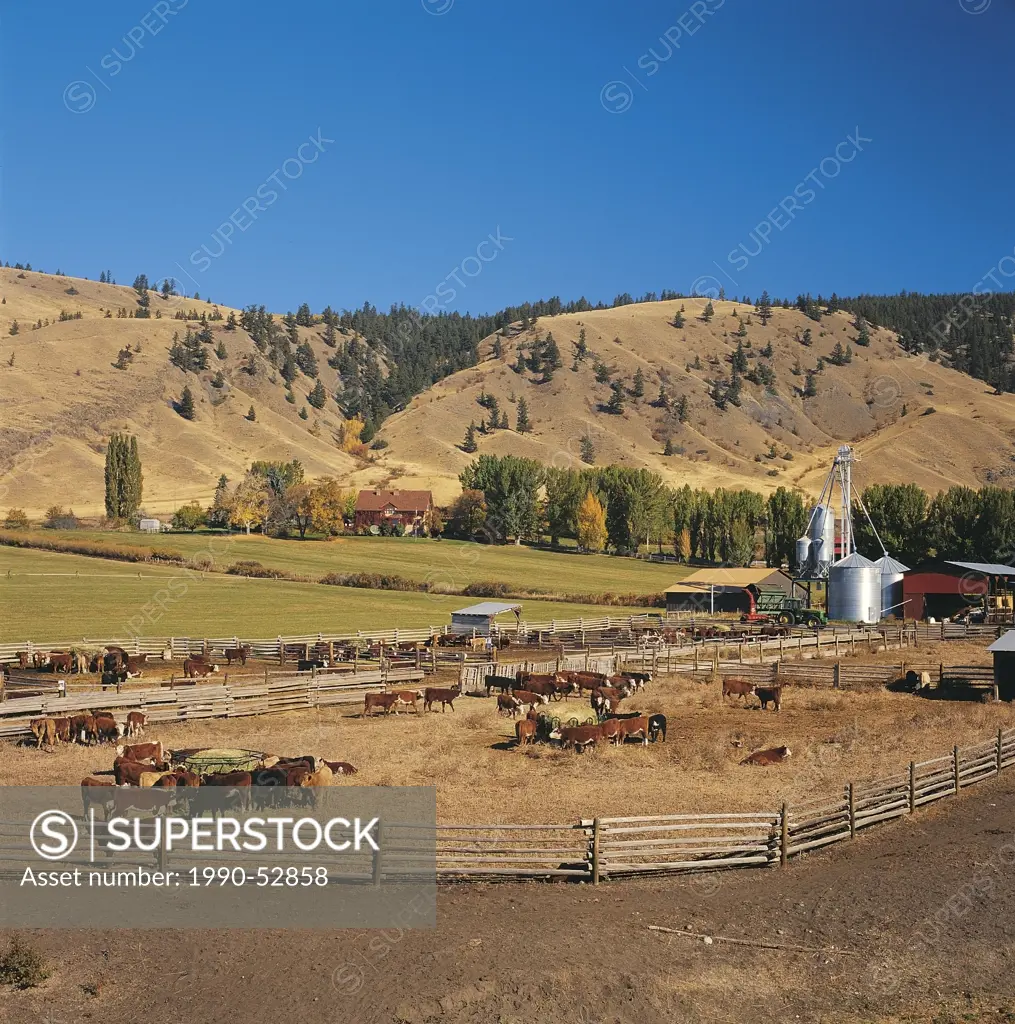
<point>940,589</point>
<point>478,618</point>
<point>150,526</point>
<point>726,590</point>
<point>1004,665</point>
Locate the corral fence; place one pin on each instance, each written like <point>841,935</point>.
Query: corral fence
<point>604,848</point>
<point>598,849</point>
<point>295,693</point>
<point>397,644</point>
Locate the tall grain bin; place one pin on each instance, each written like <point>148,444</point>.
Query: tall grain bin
<point>821,530</point>
<point>854,590</point>
<point>891,586</point>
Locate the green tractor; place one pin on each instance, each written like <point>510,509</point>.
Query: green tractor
<point>772,604</point>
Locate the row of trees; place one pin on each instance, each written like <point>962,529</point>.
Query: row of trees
<point>276,498</point>
<point>510,498</point>
<point>960,523</point>
<point>123,477</point>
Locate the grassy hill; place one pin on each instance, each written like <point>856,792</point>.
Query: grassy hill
<point>61,396</point>
<point>910,418</point>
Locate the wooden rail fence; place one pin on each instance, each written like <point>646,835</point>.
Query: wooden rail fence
<point>295,693</point>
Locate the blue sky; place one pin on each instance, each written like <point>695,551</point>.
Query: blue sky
<point>603,157</point>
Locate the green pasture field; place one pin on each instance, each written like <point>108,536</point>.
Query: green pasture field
<point>453,564</point>
<point>46,596</point>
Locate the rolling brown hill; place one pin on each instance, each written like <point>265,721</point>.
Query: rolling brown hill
<point>911,419</point>
<point>61,396</point>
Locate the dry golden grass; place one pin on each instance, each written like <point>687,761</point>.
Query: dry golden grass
<point>480,777</point>
<point>63,397</point>
<point>861,400</point>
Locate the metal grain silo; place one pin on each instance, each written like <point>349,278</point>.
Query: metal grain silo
<point>803,554</point>
<point>891,586</point>
<point>854,590</point>
<point>821,530</point>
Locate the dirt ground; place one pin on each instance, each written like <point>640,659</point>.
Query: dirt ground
<point>481,777</point>
<point>897,936</point>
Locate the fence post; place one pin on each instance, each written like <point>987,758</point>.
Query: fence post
<point>852,812</point>
<point>836,677</point>
<point>784,836</point>
<point>955,766</point>
<point>595,852</point>
<point>1000,743</point>
<point>912,786</point>
<point>376,867</point>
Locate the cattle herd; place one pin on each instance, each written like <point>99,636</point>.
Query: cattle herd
<point>532,694</point>
<point>149,776</point>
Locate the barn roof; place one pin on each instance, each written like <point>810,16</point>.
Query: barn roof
<point>1006,643</point>
<point>402,501</point>
<point>488,609</point>
<point>721,577</point>
<point>987,568</point>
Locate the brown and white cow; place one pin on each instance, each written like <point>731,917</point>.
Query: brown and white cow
<point>530,698</point>
<point>407,699</point>
<point>136,722</point>
<point>508,704</point>
<point>198,668</point>
<point>578,736</point>
<point>143,752</point>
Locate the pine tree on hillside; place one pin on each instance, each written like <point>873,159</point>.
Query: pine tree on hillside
<point>764,308</point>
<point>682,409</point>
<point>522,425</point>
<point>304,317</point>
<point>220,350</point>
<point>318,397</point>
<point>587,450</point>
<point>668,448</point>
<point>469,445</point>
<point>185,407</point>
<point>616,403</point>
<point>638,388</point>
<point>231,321</point>
<point>251,414</point>
<point>708,312</point>
<point>740,359</point>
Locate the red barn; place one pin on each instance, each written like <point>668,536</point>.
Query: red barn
<point>940,589</point>
<point>374,508</point>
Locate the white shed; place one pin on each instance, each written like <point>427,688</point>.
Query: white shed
<point>479,617</point>
<point>150,526</point>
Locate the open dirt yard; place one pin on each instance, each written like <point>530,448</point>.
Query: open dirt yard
<point>480,775</point>
<point>892,931</point>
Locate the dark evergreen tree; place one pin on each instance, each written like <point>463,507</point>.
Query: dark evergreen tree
<point>764,309</point>
<point>470,445</point>
<point>522,423</point>
<point>185,407</point>
<point>638,386</point>
<point>318,396</point>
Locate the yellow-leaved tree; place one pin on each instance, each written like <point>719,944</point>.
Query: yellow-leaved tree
<point>349,434</point>
<point>591,524</point>
<point>328,504</point>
